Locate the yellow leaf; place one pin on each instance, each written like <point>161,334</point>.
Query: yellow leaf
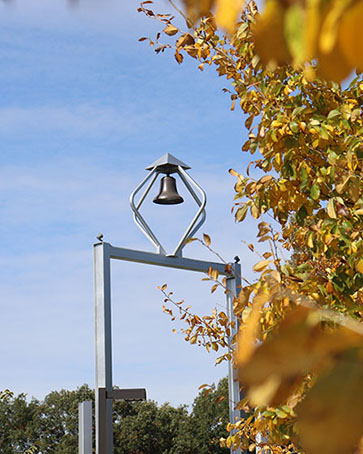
<point>341,187</point>
<point>293,29</point>
<point>190,240</point>
<point>264,238</point>
<point>206,239</point>
<point>333,65</point>
<point>248,334</point>
<point>241,213</point>
<point>242,300</point>
<point>329,28</point>
<point>233,172</point>
<point>300,345</point>
<point>359,266</point>
<point>227,13</point>
<point>261,265</point>
<point>178,57</point>
<point>330,418</point>
<point>255,211</point>
<point>264,392</point>
<point>185,40</point>
<point>310,241</point>
<point>350,34</point>
<point>275,275</point>
<point>194,339</point>
<point>266,179</point>
<point>170,30</point>
<point>330,208</point>
<point>287,90</point>
<point>354,190</point>
<point>269,34</point>
<point>220,359</point>
<point>329,287</point>
<point>313,18</point>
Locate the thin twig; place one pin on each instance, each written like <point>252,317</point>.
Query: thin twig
<point>186,18</point>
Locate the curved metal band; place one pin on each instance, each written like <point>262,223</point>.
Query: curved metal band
<point>202,203</point>
<point>138,219</point>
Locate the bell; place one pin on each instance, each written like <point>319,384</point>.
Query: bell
<point>168,194</point>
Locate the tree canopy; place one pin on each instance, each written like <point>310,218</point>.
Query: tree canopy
<point>51,425</point>
<point>300,343</point>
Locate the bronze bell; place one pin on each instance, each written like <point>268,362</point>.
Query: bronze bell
<point>168,194</point>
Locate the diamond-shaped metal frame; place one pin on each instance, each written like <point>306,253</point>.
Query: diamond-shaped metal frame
<point>169,164</point>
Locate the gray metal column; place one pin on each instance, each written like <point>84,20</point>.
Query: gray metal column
<point>234,287</point>
<point>85,427</point>
<point>103,411</point>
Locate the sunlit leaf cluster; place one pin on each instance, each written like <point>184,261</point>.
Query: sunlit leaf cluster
<point>295,32</point>
<point>210,331</point>
<point>6,394</point>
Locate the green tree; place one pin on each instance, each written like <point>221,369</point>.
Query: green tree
<point>144,428</point>
<point>57,420</point>
<point>209,418</point>
<point>51,425</point>
<point>17,429</point>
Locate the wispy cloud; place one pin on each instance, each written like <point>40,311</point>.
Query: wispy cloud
<point>79,120</point>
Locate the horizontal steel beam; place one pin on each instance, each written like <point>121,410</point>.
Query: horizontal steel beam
<point>127,394</point>
<point>152,258</point>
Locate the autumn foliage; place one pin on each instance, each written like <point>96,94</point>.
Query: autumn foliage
<point>294,32</point>
<point>300,344</point>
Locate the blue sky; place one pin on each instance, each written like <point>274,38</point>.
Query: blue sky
<point>84,108</point>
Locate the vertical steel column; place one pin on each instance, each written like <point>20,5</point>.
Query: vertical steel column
<point>85,427</point>
<point>103,411</point>
<point>234,287</point>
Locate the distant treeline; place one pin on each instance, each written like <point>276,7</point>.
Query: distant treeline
<point>51,426</point>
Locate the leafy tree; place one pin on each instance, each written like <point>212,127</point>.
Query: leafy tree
<point>57,420</point>
<point>17,431</point>
<point>144,428</point>
<point>209,418</point>
<point>305,376</point>
<point>51,425</point>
